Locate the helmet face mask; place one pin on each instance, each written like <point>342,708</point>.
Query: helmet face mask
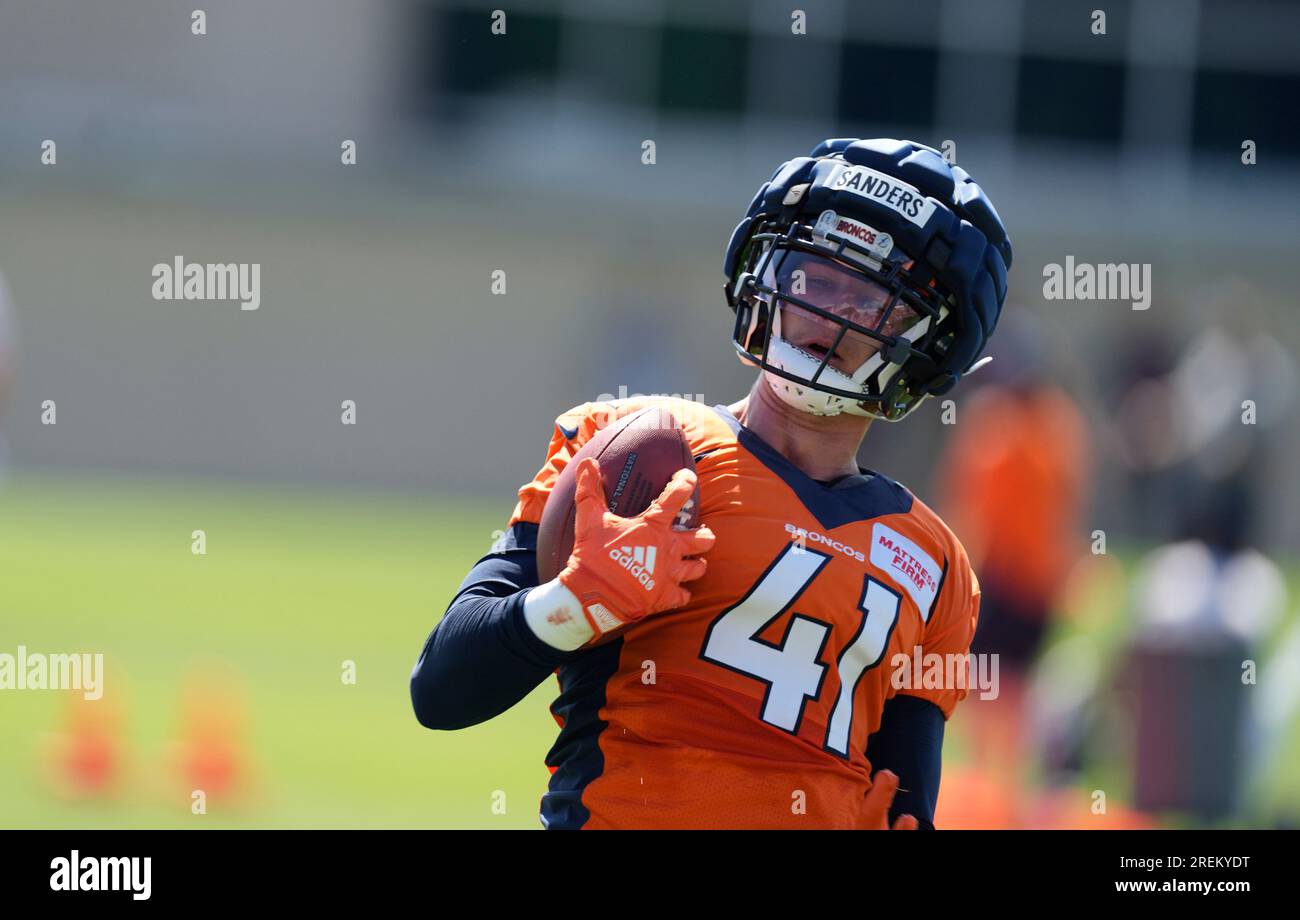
<point>832,322</point>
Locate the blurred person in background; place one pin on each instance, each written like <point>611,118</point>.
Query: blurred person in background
<point>1014,484</point>
<point>1174,432</point>
<point>1141,422</point>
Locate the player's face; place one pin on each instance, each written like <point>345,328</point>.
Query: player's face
<point>844,293</point>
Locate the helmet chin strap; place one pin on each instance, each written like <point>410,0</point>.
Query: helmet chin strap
<point>814,402</point>
<point>796,361</point>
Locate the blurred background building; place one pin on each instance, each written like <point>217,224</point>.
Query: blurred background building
<point>524,153</point>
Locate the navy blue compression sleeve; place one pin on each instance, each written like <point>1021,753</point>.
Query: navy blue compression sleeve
<point>909,743</point>
<point>482,657</point>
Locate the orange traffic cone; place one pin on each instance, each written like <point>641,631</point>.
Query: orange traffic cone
<point>87,758</point>
<point>212,757</point>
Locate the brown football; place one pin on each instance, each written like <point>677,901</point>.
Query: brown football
<point>638,454</point>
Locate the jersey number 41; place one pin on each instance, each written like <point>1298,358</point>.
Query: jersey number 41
<point>792,669</point>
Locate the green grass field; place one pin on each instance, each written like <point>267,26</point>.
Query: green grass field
<point>295,582</point>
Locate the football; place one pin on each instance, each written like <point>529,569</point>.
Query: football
<point>638,454</point>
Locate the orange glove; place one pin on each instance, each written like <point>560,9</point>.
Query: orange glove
<point>624,569</point>
<point>881,795</point>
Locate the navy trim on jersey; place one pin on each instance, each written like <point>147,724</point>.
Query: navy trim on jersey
<point>853,498</point>
<point>576,754</point>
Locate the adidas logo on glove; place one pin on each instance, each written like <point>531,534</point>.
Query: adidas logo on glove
<point>639,560</point>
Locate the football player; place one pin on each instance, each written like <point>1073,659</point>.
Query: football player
<point>757,685</point>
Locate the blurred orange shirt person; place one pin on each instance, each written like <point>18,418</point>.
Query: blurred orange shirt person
<point>1013,482</point>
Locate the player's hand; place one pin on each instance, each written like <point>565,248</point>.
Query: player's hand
<point>881,795</point>
<point>625,569</point>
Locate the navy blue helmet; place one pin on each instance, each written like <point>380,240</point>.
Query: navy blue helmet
<point>866,277</point>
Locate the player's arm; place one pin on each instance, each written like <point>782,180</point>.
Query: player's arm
<point>482,657</point>
<point>909,741</point>
<point>503,633</point>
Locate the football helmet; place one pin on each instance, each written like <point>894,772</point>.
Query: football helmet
<point>866,277</point>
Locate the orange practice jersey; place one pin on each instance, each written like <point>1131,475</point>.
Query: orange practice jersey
<point>1018,498</point>
<point>751,706</point>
